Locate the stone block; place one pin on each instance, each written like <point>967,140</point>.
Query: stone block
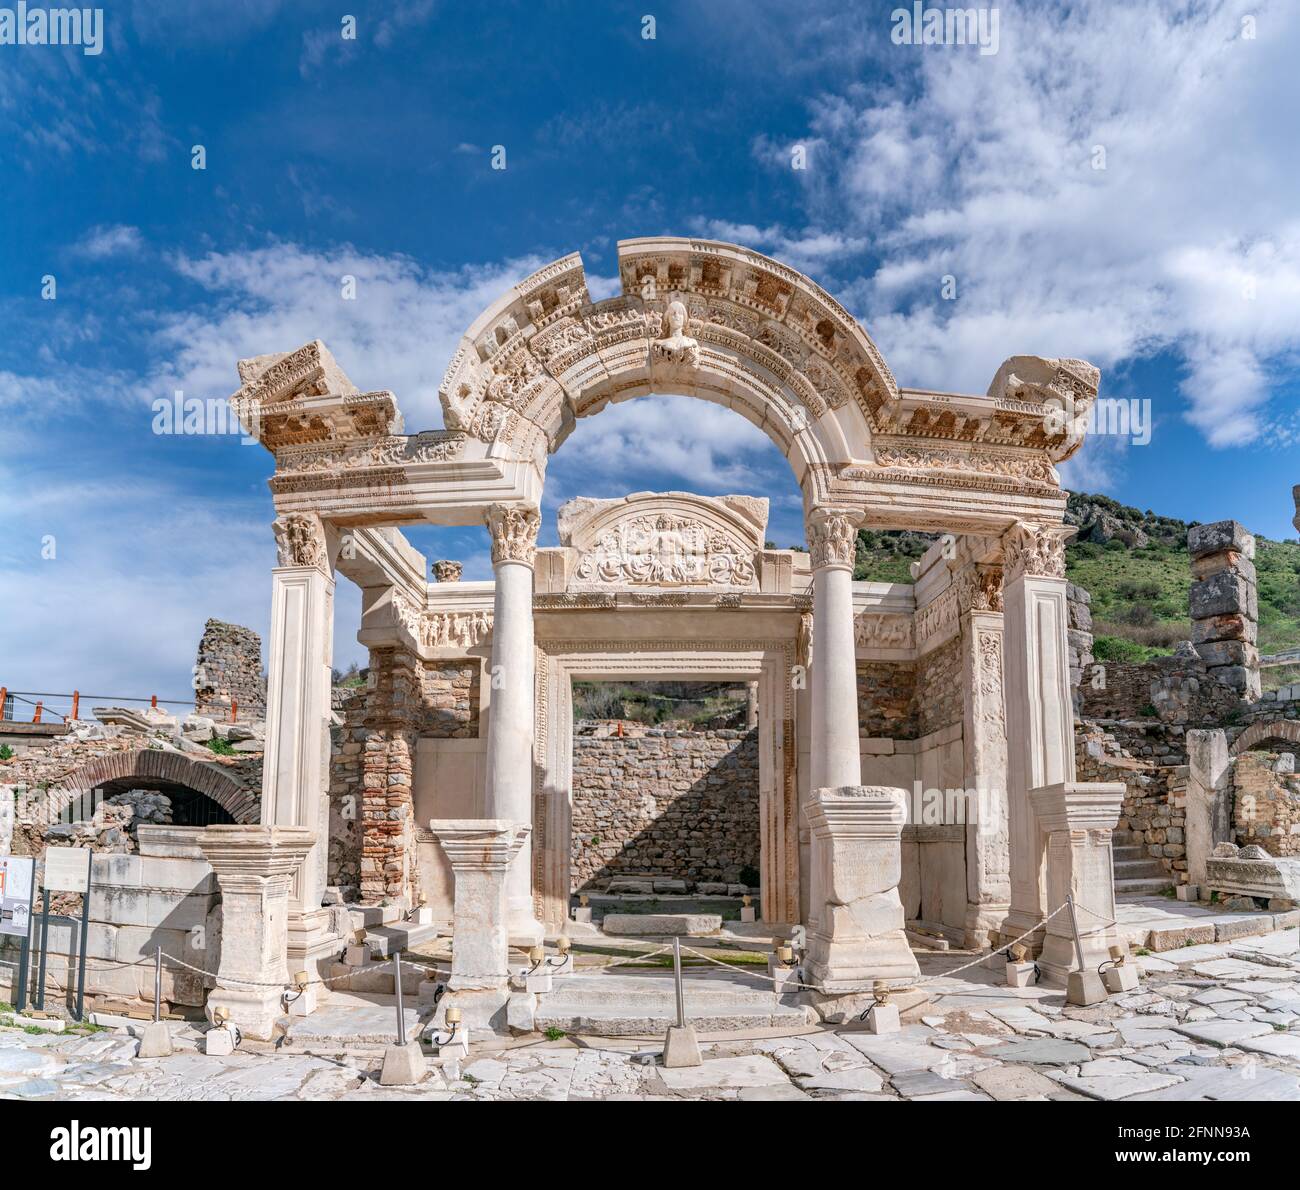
<point>521,1012</point>
<point>747,914</point>
<point>167,872</point>
<point>1019,975</point>
<point>681,1049</point>
<point>155,1041</point>
<point>1223,594</point>
<point>685,925</point>
<point>1228,652</point>
<point>1123,978</point>
<point>1210,564</point>
<point>115,870</point>
<point>883,1018</point>
<point>1188,892</point>
<point>119,905</point>
<point>404,1065</point>
<point>219,1042</point>
<point>1231,627</point>
<point>1219,536</point>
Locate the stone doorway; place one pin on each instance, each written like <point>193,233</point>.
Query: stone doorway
<point>665,796</point>
<point>760,667</point>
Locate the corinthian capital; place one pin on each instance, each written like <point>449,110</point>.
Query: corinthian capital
<point>831,536</point>
<point>979,589</point>
<point>514,532</point>
<point>300,541</point>
<point>1034,551</point>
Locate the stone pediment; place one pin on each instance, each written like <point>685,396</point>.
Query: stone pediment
<point>663,539</point>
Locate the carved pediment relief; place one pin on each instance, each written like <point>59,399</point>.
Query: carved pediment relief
<point>663,539</point>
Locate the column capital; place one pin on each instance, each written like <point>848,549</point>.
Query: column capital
<point>831,536</point>
<point>979,588</point>
<point>483,844</point>
<point>1034,551</point>
<point>249,850</point>
<point>300,541</point>
<point>514,530</point>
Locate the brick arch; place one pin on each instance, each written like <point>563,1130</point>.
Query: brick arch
<point>1257,733</point>
<point>155,765</point>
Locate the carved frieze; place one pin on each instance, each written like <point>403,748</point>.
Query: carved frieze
<point>455,629</point>
<point>874,631</point>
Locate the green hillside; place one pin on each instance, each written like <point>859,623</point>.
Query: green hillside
<point>1135,566</point>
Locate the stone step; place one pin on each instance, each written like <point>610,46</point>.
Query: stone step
<point>1137,869</point>
<point>385,940</point>
<point>660,925</point>
<point>1129,853</point>
<point>645,1005</point>
<point>1127,839</point>
<point>1143,887</point>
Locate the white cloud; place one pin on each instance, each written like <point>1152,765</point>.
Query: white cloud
<point>398,333</point>
<point>985,171</point>
<point>113,240</point>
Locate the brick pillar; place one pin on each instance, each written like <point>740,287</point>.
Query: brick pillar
<point>388,855</point>
<point>1224,604</point>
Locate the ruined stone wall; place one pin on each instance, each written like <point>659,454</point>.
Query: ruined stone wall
<point>229,667</point>
<point>450,699</point>
<point>1177,689</point>
<point>680,805</point>
<point>1266,803</point>
<point>887,700</point>
<point>939,694</point>
<point>1079,634</point>
<point>1150,757</point>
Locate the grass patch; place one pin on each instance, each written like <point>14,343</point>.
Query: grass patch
<point>221,747</point>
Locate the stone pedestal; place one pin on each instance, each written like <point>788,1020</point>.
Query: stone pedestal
<point>255,868</point>
<point>480,852</point>
<point>1077,820</point>
<point>509,786</point>
<point>857,937</point>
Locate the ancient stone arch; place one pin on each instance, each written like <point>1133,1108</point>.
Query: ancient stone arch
<point>725,324</point>
<point>152,765</point>
<point>1287,730</point>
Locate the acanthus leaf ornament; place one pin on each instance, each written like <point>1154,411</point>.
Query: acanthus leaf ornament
<point>1034,551</point>
<point>832,536</point>
<point>514,529</point>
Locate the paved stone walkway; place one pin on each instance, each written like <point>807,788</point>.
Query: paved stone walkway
<point>1219,1022</point>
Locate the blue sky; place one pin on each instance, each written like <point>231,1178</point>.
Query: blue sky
<point>1176,268</point>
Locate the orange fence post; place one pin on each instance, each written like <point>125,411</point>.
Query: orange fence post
<point>36,718</point>
<point>76,700</point>
<point>4,700</point>
<point>153,701</point>
<point>234,709</point>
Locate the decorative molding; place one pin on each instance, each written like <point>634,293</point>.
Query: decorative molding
<point>979,588</point>
<point>938,619</point>
<point>461,630</point>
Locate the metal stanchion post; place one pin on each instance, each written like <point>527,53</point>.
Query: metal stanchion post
<point>1084,986</point>
<point>397,988</point>
<point>157,984</point>
<point>680,1046</point>
<point>677,981</point>
<point>404,1063</point>
<point>156,1041</point>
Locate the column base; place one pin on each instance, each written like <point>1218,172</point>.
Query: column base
<point>840,967</point>
<point>481,1009</point>
<point>256,1012</point>
<point>983,925</point>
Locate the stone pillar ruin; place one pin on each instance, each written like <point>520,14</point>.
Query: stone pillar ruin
<point>295,771</point>
<point>1209,799</point>
<point>228,672</point>
<point>836,761</point>
<point>1224,604</point>
<point>510,718</point>
<point>481,852</point>
<point>255,868</point>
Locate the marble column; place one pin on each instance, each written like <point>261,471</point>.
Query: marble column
<point>295,767</point>
<point>857,862</point>
<point>256,867</point>
<point>482,853</point>
<point>510,719</point>
<point>835,754</point>
<point>988,860</point>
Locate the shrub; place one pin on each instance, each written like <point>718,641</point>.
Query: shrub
<point>1116,648</point>
<point>221,747</point>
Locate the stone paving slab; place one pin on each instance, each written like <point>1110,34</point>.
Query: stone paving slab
<point>1221,1032</point>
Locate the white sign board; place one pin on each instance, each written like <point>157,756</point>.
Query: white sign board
<point>67,869</point>
<point>15,894</point>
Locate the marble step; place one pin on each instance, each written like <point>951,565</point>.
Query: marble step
<point>1129,853</point>
<point>1142,887</point>
<point>1136,869</point>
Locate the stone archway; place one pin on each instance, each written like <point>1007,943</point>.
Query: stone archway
<point>1283,730</point>
<point>153,766</point>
